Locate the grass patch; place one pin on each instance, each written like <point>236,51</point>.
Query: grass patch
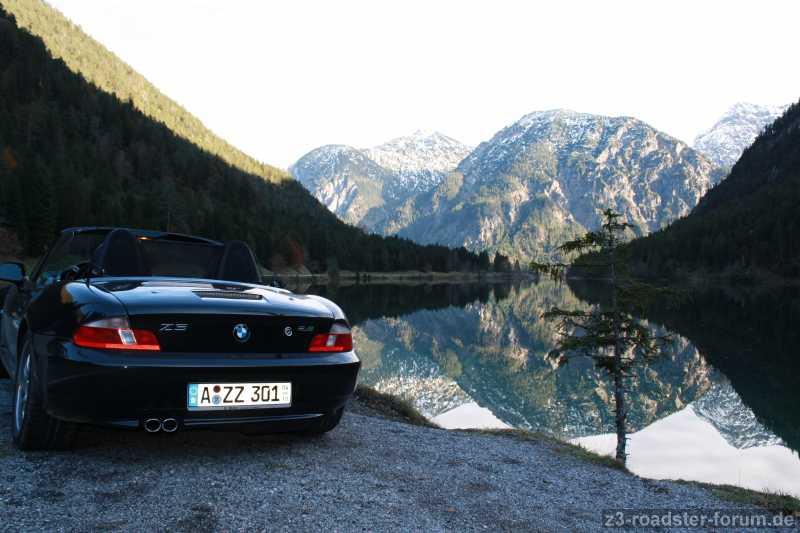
<point>557,445</point>
<point>579,452</point>
<point>391,406</point>
<point>399,409</point>
<point>772,501</point>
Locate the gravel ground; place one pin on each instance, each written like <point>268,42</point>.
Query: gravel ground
<point>369,474</point>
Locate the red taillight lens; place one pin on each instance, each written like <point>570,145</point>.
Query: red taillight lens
<point>338,339</point>
<point>115,334</point>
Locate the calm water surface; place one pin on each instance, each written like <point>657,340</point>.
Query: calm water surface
<point>722,404</point>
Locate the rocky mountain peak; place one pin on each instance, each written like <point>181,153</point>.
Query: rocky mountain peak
<point>546,177</point>
<point>420,159</point>
<point>725,141</point>
<point>537,182</point>
<point>367,186</point>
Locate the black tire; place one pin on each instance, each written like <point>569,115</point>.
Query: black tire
<point>324,424</point>
<point>32,427</point>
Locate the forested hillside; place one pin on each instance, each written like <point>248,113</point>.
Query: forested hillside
<point>748,224</point>
<point>66,41</point>
<point>72,153</point>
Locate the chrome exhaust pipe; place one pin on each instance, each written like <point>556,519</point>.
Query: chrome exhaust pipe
<point>169,425</point>
<point>152,425</point>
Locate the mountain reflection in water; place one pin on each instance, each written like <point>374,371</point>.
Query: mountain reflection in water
<point>719,405</point>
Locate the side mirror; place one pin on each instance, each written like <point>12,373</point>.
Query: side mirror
<point>12,272</point>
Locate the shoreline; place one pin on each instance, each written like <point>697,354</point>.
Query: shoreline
<point>399,410</point>
<point>414,276</point>
<point>372,473</point>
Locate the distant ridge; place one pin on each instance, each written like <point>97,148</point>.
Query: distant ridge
<point>725,141</point>
<point>377,188</point>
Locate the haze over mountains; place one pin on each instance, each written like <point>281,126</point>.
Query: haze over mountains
<point>537,182</point>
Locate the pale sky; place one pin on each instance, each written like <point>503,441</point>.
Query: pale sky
<point>279,78</point>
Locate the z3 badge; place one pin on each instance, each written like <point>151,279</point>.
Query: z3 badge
<point>174,327</point>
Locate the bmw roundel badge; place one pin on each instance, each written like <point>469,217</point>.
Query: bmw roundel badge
<point>241,332</point>
<point>288,331</point>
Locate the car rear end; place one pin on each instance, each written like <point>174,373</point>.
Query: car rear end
<point>191,354</point>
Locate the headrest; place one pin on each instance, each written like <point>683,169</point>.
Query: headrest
<point>238,264</point>
<point>119,255</point>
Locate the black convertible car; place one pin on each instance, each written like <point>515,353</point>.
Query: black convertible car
<point>160,331</point>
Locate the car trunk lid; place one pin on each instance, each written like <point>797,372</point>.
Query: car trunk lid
<point>221,317</point>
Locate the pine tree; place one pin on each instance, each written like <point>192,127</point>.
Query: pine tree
<point>613,338</point>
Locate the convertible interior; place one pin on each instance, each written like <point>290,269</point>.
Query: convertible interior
<point>123,253</point>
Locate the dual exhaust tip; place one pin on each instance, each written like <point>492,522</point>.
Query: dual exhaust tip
<point>167,425</point>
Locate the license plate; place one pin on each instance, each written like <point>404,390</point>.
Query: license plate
<point>209,396</point>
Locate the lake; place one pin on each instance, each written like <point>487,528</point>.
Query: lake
<point>719,405</point>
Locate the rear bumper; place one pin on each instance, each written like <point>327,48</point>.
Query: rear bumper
<point>124,389</point>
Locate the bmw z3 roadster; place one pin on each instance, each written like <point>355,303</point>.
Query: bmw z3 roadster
<point>158,332</point>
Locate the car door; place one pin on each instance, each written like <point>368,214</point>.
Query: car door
<point>69,249</point>
<point>15,304</point>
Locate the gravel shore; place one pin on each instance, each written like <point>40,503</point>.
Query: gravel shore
<point>370,474</point>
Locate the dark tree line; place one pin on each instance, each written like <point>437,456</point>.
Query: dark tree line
<point>71,155</point>
<point>747,225</point>
<point>365,302</point>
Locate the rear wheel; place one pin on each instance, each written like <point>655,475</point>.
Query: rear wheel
<point>325,424</point>
<point>33,428</point>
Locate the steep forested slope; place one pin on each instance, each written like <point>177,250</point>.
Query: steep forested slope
<point>748,223</point>
<point>66,41</point>
<point>74,154</point>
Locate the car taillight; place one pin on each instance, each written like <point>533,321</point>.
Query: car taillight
<point>115,334</point>
<point>338,339</point>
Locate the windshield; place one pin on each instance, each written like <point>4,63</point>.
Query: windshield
<point>70,250</point>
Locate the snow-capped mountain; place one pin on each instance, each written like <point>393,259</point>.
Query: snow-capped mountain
<point>546,178</point>
<point>344,179</point>
<point>367,187</point>
<point>735,131</point>
<point>420,160</point>
<point>538,182</point>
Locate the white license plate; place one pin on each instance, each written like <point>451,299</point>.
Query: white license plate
<point>232,395</point>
